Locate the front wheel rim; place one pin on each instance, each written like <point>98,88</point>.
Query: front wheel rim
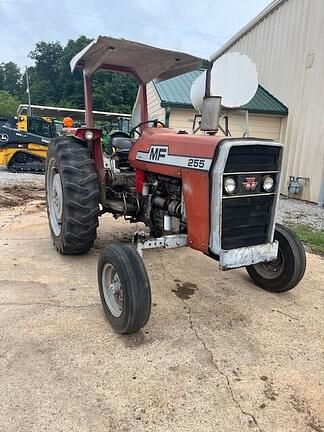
<point>272,269</point>
<point>55,198</point>
<point>112,290</point>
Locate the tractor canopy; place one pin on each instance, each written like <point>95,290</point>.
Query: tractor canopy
<point>144,62</point>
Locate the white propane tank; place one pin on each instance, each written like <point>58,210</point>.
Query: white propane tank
<point>233,77</point>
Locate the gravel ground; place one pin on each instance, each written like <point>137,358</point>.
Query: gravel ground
<point>10,179</point>
<point>301,212</point>
<point>289,209</point>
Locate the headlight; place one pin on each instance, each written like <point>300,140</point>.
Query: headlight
<point>88,135</point>
<point>268,183</point>
<point>229,185</point>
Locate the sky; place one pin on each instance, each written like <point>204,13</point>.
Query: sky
<point>198,27</point>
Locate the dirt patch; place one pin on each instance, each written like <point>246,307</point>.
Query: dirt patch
<point>18,195</point>
<point>269,391</point>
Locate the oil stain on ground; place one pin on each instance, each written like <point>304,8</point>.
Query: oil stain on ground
<point>184,290</point>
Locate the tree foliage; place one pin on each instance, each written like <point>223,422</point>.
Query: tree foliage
<point>8,104</point>
<point>52,83</point>
<point>10,78</point>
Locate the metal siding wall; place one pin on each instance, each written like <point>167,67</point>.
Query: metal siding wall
<point>260,126</point>
<point>279,45</point>
<point>182,119</point>
<point>155,111</point>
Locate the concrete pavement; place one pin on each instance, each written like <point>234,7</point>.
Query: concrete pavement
<point>218,354</point>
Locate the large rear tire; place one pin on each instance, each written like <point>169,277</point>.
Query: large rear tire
<point>124,288</point>
<point>72,195</point>
<point>287,270</point>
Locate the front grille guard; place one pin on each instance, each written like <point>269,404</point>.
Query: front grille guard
<point>250,253</point>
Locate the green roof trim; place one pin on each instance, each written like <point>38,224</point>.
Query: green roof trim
<point>265,103</point>
<point>175,92</point>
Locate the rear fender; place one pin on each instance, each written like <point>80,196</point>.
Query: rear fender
<point>96,151</point>
<point>94,145</point>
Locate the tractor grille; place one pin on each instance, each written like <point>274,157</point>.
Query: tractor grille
<point>256,158</point>
<point>247,220</point>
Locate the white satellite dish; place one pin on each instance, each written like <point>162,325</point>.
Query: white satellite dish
<point>233,77</point>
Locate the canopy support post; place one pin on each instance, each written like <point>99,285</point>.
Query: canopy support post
<point>87,83</point>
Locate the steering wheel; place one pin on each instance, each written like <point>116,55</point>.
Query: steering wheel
<point>135,128</point>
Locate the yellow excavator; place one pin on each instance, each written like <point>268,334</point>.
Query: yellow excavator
<point>24,141</point>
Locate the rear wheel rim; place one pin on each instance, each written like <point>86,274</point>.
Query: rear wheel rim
<point>54,197</point>
<point>112,290</point>
<point>272,269</point>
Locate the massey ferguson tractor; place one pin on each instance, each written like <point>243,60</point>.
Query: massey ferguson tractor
<point>215,194</point>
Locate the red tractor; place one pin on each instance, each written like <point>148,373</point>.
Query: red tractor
<point>218,195</point>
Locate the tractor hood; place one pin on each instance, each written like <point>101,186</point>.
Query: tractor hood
<point>144,62</point>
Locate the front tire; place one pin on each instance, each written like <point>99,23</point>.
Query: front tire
<point>72,195</point>
<point>124,288</point>
<point>287,270</point>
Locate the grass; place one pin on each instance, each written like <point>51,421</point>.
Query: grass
<point>313,239</point>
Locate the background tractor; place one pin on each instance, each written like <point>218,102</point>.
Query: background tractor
<point>24,141</point>
<point>217,195</point>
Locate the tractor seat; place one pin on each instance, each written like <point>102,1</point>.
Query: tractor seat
<point>121,143</point>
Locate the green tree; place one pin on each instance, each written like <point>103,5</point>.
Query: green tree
<point>114,92</point>
<point>47,56</point>
<point>1,77</point>
<point>8,104</point>
<point>10,78</point>
<point>41,93</point>
<point>52,83</point>
<point>111,91</point>
<point>44,84</point>
<point>72,84</point>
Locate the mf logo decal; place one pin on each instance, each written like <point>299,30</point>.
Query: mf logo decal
<point>250,183</point>
<point>158,152</point>
<point>4,137</point>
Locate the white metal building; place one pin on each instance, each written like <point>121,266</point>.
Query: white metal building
<point>286,42</point>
